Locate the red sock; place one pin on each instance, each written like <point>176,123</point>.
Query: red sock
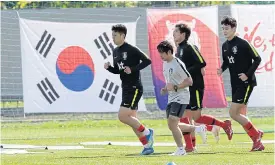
<point>141,128</point>
<point>194,141</point>
<point>247,133</point>
<point>188,140</point>
<point>143,140</point>
<point>185,120</point>
<point>251,130</point>
<point>209,127</point>
<point>186,135</point>
<point>209,120</point>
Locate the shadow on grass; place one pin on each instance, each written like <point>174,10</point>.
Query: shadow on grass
<point>194,154</point>
<point>162,154</point>
<point>152,155</point>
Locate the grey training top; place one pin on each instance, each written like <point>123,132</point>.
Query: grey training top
<point>175,72</point>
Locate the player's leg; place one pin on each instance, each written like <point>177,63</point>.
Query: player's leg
<point>174,112</point>
<point>145,140</point>
<point>134,114</point>
<point>208,119</point>
<point>187,118</point>
<point>193,106</point>
<point>129,104</point>
<point>189,138</point>
<point>244,110</point>
<point>196,113</point>
<point>240,97</point>
<point>191,128</point>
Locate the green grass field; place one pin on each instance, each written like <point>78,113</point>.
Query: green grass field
<point>74,132</point>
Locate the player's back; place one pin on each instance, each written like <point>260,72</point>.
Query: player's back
<point>175,73</point>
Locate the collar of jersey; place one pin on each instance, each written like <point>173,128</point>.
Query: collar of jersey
<point>183,42</point>
<point>123,45</point>
<point>235,37</point>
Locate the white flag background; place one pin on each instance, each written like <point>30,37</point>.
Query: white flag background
<point>256,24</point>
<point>63,67</point>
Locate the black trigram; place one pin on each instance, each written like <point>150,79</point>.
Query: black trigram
<point>109,91</point>
<point>47,90</point>
<point>105,47</point>
<point>44,44</point>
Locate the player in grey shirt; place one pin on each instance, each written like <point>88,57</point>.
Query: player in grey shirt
<point>175,72</point>
<point>178,80</point>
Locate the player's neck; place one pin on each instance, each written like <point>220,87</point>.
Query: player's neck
<point>182,40</point>
<point>231,37</point>
<point>170,59</point>
<point>119,45</point>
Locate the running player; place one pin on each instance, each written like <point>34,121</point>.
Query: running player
<point>126,63</point>
<point>242,60</point>
<point>195,64</point>
<point>178,80</point>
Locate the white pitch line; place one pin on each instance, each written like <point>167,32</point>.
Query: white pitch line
<point>15,151</point>
<point>20,146</point>
<point>12,151</point>
<point>16,146</point>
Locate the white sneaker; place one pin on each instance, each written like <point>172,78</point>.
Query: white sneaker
<point>179,152</point>
<point>216,132</point>
<point>203,133</point>
<point>195,150</point>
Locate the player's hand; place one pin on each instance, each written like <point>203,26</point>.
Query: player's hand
<point>242,76</point>
<point>106,65</point>
<point>203,71</point>
<point>127,70</point>
<point>219,71</point>
<point>169,87</point>
<point>163,91</point>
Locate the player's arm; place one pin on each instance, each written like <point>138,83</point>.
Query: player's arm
<point>256,59</point>
<point>113,69</point>
<point>225,60</point>
<point>145,61</point>
<point>199,61</point>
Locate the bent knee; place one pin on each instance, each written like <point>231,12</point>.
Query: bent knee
<point>123,114</point>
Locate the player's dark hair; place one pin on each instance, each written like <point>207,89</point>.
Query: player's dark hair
<point>228,20</point>
<point>183,28</point>
<point>120,29</point>
<point>164,47</point>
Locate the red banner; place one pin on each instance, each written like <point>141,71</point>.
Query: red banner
<point>161,23</point>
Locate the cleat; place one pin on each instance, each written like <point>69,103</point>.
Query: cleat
<point>178,152</point>
<point>257,144</point>
<point>203,134</point>
<point>147,151</point>
<point>191,150</point>
<point>228,129</point>
<point>257,147</point>
<point>216,133</point>
<point>150,139</point>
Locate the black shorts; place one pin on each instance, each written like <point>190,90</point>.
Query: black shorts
<point>131,96</point>
<point>175,109</point>
<point>241,94</point>
<point>196,97</point>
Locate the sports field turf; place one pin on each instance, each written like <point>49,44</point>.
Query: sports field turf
<point>74,132</point>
